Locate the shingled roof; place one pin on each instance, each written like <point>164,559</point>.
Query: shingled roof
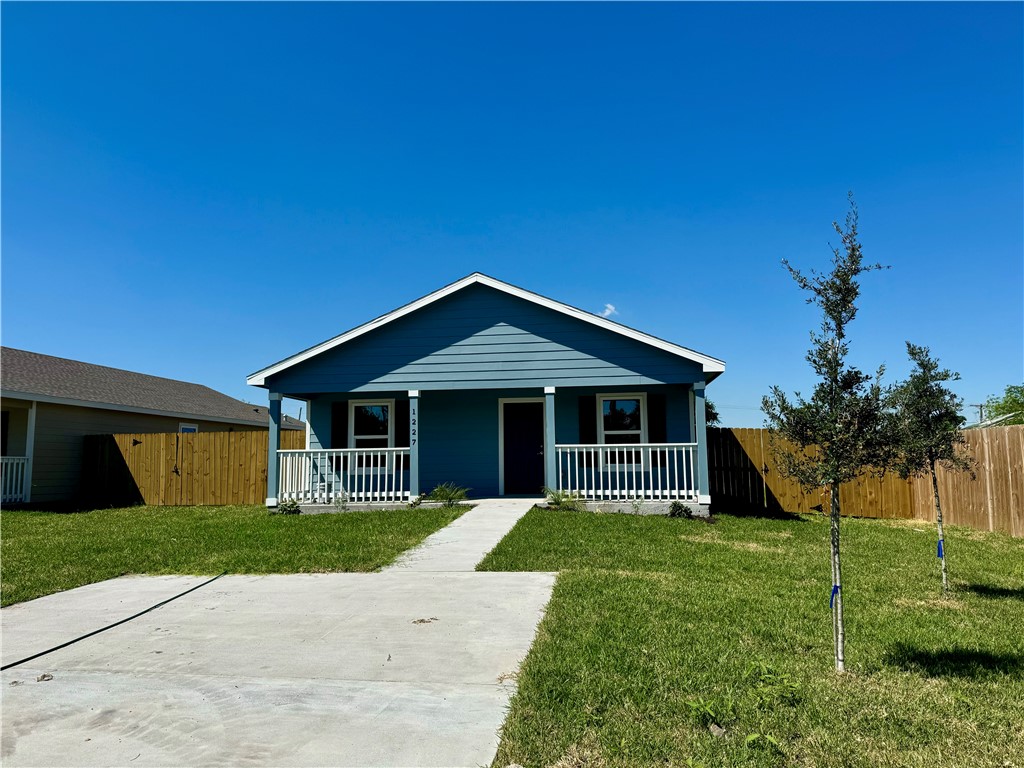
<point>30,375</point>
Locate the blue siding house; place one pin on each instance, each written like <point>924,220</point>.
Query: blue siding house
<point>490,386</point>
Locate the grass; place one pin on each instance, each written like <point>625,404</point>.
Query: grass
<point>45,552</point>
<point>662,630</point>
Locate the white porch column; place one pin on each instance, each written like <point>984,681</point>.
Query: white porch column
<point>414,443</point>
<point>550,467</point>
<point>30,449</point>
<point>274,445</point>
<point>693,416</point>
<point>700,420</point>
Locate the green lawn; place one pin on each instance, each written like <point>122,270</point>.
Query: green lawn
<point>45,552</point>
<point>660,628</point>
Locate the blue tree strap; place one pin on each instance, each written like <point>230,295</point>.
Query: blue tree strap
<point>940,548</point>
<point>832,600</point>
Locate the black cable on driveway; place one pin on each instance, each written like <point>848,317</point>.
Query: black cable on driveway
<point>109,626</point>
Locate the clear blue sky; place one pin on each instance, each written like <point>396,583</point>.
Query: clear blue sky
<point>198,190</point>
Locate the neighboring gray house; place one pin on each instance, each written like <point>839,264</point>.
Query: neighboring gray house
<point>491,386</point>
<point>48,404</point>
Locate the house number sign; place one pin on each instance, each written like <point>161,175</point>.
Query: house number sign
<point>412,426</point>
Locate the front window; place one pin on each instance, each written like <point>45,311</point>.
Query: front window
<point>621,419</point>
<point>187,429</point>
<point>370,424</point>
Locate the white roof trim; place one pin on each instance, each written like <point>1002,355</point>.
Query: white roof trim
<point>710,365</point>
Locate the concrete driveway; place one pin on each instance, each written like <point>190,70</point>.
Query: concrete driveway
<point>400,668</point>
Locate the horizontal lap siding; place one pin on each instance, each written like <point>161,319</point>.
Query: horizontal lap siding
<point>459,440</point>
<point>321,415</point>
<point>480,338</point>
<point>319,421</point>
<point>677,411</point>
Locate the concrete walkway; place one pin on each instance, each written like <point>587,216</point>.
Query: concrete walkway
<point>464,543</point>
<point>413,666</point>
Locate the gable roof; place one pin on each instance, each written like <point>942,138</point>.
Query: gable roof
<point>32,376</point>
<point>711,366</point>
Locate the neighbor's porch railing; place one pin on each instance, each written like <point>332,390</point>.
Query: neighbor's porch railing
<point>12,478</point>
<point>647,471</point>
<point>353,474</point>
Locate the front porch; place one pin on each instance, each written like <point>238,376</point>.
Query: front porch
<point>391,448</point>
<point>644,472</point>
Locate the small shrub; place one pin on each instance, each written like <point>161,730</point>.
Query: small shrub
<point>678,509</point>
<point>415,501</point>
<point>286,507</point>
<point>564,501</point>
<point>636,504</point>
<point>449,494</point>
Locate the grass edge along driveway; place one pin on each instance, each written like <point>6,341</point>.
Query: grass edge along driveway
<point>678,642</point>
<point>46,552</point>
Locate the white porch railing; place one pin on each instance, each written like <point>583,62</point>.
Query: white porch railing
<point>354,474</point>
<point>646,471</point>
<point>12,478</point>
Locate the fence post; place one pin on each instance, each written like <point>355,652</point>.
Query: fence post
<point>273,446</point>
<point>988,479</point>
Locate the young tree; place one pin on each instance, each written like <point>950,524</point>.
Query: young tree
<point>928,432</point>
<point>841,429</point>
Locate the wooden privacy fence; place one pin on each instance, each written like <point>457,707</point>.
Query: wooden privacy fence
<point>743,473</point>
<point>231,468</point>
<point>181,469</point>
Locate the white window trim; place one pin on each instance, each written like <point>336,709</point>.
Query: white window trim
<point>183,424</point>
<point>641,396</point>
<point>352,421</point>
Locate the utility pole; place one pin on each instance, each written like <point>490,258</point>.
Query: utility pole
<point>981,410</point>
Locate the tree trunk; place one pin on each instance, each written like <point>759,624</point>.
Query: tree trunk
<point>938,522</point>
<point>838,632</point>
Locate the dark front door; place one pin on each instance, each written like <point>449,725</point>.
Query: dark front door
<point>523,444</point>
